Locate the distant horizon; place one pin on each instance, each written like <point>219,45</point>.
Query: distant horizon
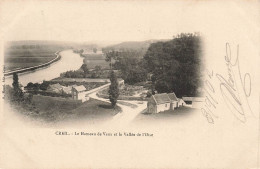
<point>87,42</point>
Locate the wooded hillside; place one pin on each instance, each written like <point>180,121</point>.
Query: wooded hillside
<point>176,65</point>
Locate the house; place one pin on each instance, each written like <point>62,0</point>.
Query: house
<point>181,103</point>
<point>174,100</point>
<point>162,102</point>
<point>66,90</point>
<point>56,88</point>
<point>194,102</point>
<point>79,93</point>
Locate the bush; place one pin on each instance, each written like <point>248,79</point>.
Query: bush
<point>73,74</point>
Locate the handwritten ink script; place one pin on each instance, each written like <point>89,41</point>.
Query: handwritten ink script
<point>235,89</point>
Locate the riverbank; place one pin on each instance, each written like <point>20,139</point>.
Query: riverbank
<point>67,61</point>
<point>58,57</point>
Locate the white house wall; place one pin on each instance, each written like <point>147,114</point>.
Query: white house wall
<point>174,104</point>
<point>163,107</point>
<point>81,96</point>
<point>181,103</point>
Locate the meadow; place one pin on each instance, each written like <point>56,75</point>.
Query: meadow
<point>18,56</point>
<point>96,60</point>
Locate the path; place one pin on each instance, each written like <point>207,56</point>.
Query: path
<point>128,112</point>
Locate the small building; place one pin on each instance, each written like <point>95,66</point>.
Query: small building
<point>56,88</point>
<point>66,90</point>
<point>79,93</point>
<point>181,103</point>
<point>173,99</point>
<point>162,102</point>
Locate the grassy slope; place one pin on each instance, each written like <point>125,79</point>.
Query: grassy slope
<point>56,110</point>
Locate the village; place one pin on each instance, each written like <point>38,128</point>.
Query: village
<point>155,104</point>
<point>79,90</point>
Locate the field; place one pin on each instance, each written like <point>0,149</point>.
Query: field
<point>87,85</point>
<point>22,56</point>
<point>128,90</point>
<point>23,62</point>
<point>93,60</point>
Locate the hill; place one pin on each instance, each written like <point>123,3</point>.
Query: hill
<point>134,45</point>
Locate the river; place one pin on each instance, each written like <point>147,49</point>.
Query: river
<point>68,61</point>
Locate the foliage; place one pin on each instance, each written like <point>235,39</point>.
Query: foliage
<point>73,74</point>
<point>111,55</point>
<point>84,67</point>
<point>17,91</point>
<point>113,89</point>
<point>127,90</point>
<point>97,72</point>
<point>44,85</point>
<point>79,51</point>
<point>176,64</point>
<point>33,86</point>
<point>130,63</point>
<point>149,93</point>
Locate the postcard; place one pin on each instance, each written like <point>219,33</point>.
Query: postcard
<point>130,84</point>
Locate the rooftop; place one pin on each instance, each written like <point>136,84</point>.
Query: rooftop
<point>80,88</point>
<point>164,98</point>
<point>172,96</point>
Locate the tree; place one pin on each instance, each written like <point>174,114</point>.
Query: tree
<point>84,67</point>
<point>110,55</point>
<point>176,65</point>
<point>130,64</point>
<point>81,51</point>
<point>113,89</point>
<point>44,85</point>
<point>95,50</point>
<point>18,93</point>
<point>96,73</point>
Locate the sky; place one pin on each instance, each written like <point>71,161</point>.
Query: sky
<point>97,20</point>
<point>102,21</point>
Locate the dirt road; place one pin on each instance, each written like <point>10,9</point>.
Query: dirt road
<point>130,109</point>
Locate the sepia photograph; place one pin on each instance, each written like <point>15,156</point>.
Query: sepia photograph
<point>54,82</point>
<point>131,84</point>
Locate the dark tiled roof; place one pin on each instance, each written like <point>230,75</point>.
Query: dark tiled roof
<point>162,98</point>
